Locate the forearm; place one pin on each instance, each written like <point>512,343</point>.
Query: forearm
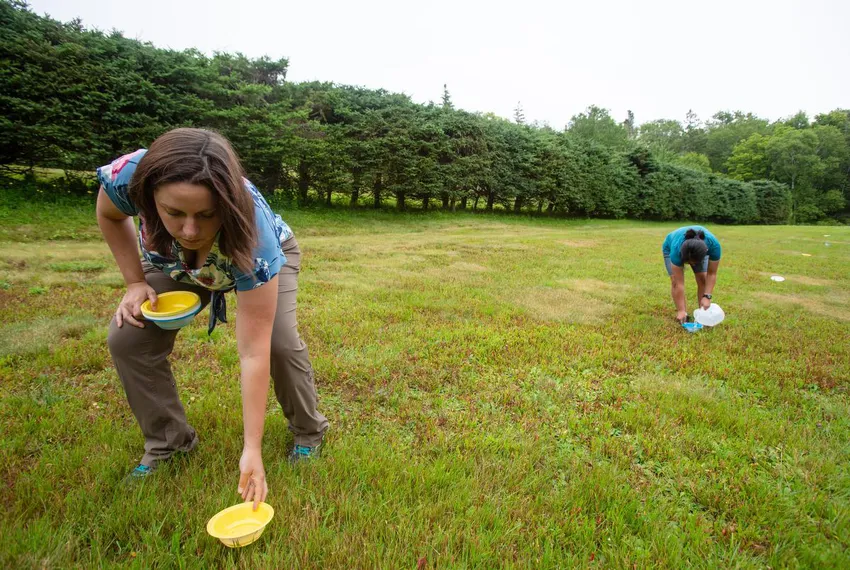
<point>121,237</point>
<point>255,389</point>
<point>678,294</point>
<point>710,281</point>
<point>254,324</point>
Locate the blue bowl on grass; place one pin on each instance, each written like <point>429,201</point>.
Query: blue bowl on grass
<point>692,327</point>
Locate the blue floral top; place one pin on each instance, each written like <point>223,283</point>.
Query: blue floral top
<point>218,272</point>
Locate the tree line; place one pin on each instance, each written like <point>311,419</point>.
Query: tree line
<point>75,98</point>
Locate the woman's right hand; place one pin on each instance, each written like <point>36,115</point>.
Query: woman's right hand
<point>682,317</point>
<point>130,308</point>
<point>252,477</point>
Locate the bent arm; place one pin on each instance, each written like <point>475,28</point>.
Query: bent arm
<point>119,231</point>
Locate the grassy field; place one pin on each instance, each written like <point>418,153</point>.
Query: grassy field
<point>503,392</point>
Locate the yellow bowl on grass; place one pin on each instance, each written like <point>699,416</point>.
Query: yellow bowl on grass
<point>240,525</point>
<point>170,304</point>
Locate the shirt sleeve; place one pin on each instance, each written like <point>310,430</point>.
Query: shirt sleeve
<point>714,250</point>
<point>115,180</point>
<point>665,247</point>
<point>671,249</point>
<point>268,257</point>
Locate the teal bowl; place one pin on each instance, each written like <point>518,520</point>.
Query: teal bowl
<point>692,327</point>
<point>176,323</point>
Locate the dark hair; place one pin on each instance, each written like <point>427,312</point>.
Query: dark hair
<point>197,156</point>
<point>694,248</point>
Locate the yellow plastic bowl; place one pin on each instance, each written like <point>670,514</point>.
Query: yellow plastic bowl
<point>170,304</point>
<point>240,525</point>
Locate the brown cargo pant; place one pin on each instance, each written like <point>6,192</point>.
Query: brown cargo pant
<point>141,359</point>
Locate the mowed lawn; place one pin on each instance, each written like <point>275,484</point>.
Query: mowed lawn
<point>503,392</point>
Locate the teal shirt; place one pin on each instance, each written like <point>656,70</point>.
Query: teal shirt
<point>673,244</point>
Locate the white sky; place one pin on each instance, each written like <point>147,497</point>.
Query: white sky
<point>658,58</point>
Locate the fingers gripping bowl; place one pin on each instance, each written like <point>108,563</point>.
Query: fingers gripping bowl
<point>174,309</point>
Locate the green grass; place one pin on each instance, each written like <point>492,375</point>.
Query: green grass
<point>503,392</point>
<point>83,266</point>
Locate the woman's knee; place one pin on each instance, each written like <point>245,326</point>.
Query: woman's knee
<point>287,345</point>
<point>129,340</point>
<point>118,339</point>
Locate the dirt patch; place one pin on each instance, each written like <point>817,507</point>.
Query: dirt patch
<point>563,304</point>
<point>508,247</point>
<point>587,301</point>
<point>594,286</point>
<point>835,311</point>
<point>394,261</point>
<point>10,300</point>
<point>802,279</point>
<point>579,242</point>
<point>467,267</point>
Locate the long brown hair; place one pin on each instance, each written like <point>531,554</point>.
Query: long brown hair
<point>197,156</point>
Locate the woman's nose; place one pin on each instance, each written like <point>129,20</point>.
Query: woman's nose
<point>190,229</point>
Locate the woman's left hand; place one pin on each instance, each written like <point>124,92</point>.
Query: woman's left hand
<point>705,303</point>
<point>252,477</point>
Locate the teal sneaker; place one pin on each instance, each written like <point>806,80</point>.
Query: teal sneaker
<point>304,453</point>
<point>142,471</point>
<point>139,473</point>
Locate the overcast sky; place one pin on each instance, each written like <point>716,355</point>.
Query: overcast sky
<point>658,58</point>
